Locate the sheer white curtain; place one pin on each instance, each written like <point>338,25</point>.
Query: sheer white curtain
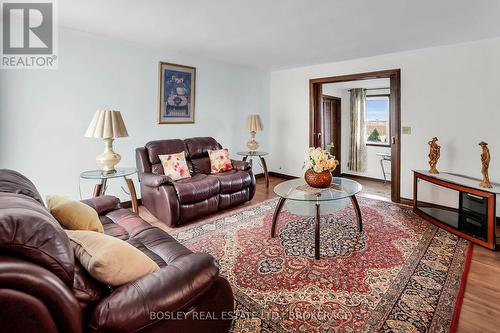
<point>357,146</point>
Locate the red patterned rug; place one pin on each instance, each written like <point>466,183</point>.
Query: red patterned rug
<point>402,274</point>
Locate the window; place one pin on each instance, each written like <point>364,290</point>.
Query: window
<point>377,130</point>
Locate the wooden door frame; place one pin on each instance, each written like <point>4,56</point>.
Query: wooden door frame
<point>338,125</point>
<point>315,100</point>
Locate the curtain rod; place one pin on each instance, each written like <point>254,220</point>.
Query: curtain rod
<point>373,88</point>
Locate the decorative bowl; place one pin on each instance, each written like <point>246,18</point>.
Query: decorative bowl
<point>318,179</point>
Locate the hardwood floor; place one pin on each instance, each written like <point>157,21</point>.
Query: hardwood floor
<point>373,188</point>
<point>481,304</point>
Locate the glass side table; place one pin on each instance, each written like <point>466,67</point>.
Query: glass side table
<point>260,155</point>
<point>100,188</point>
<point>384,157</point>
<point>297,190</point>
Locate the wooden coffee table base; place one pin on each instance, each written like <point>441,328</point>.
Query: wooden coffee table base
<point>317,219</point>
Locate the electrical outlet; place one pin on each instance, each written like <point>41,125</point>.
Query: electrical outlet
<point>406,130</point>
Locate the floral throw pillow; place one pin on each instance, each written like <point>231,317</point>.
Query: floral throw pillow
<point>175,166</point>
<point>219,160</point>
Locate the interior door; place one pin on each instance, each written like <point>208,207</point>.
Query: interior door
<point>331,126</point>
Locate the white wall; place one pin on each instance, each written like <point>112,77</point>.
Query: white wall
<point>44,114</point>
<point>450,92</point>
<point>373,168</point>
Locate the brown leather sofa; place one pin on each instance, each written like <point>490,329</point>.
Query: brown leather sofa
<point>44,289</point>
<point>175,202</point>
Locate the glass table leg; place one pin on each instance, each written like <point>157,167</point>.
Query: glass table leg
<point>276,214</point>
<point>100,189</point>
<point>316,231</point>
<point>264,167</point>
<point>133,195</point>
<point>358,213</point>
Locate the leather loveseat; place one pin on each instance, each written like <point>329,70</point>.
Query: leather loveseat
<point>175,202</point>
<point>43,288</point>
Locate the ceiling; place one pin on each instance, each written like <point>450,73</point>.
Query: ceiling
<point>277,34</point>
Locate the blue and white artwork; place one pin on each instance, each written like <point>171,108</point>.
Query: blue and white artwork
<point>177,88</point>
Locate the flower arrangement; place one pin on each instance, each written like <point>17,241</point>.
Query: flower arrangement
<point>320,160</point>
<point>319,167</point>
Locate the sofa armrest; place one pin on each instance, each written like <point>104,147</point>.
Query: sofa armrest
<point>103,204</point>
<point>241,165</point>
<point>152,180</point>
<point>25,284</point>
<point>172,288</point>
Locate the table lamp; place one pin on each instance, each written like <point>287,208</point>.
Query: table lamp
<point>107,125</point>
<point>253,125</point>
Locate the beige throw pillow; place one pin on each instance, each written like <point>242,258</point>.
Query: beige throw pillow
<point>108,259</point>
<point>73,215</point>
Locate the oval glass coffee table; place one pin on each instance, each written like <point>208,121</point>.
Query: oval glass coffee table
<point>298,190</point>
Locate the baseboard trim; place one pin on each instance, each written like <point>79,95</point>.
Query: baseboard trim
<point>364,177</point>
<point>403,201</point>
<point>406,201</point>
<point>281,175</point>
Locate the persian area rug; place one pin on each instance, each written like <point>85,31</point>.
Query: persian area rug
<point>402,274</point>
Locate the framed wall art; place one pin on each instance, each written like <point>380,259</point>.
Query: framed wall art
<point>176,96</point>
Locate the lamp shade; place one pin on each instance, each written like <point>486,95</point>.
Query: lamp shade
<point>253,123</point>
<point>106,124</point>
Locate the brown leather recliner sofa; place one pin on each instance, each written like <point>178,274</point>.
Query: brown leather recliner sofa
<point>175,202</point>
<point>43,288</point>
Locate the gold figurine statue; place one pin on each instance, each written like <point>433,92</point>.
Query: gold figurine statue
<point>434,153</point>
<point>485,160</point>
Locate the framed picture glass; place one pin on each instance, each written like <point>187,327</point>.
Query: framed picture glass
<point>176,93</point>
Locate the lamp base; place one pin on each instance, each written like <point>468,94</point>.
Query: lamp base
<point>252,145</point>
<point>108,172</point>
<point>108,159</point>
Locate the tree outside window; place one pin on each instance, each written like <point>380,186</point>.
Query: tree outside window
<point>377,130</point>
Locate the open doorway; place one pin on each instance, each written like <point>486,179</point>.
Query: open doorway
<point>332,121</point>
<point>360,115</point>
